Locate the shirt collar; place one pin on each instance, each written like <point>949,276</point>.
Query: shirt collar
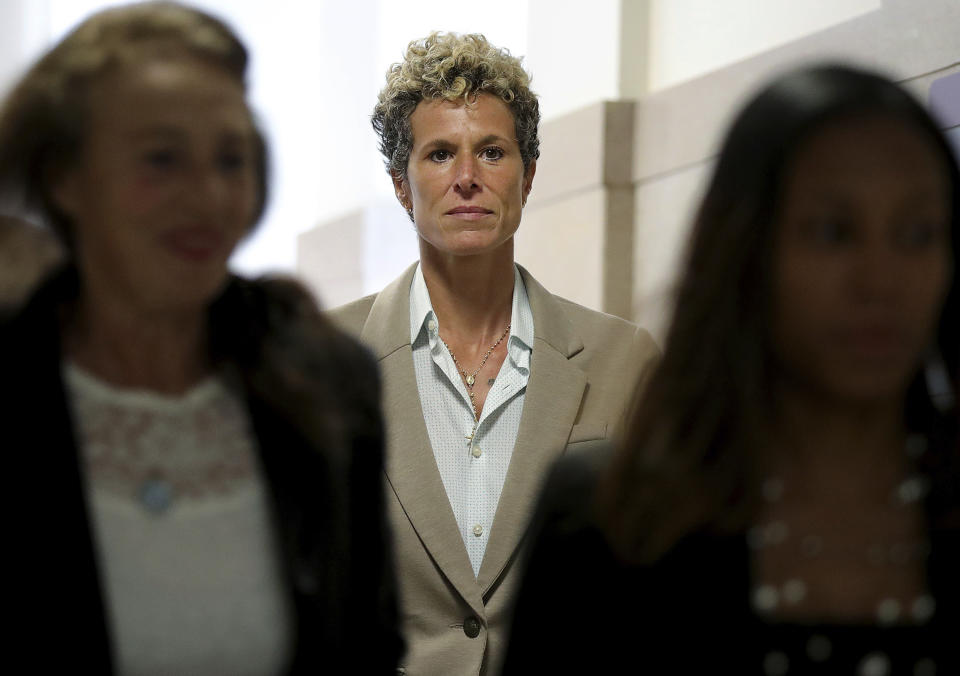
<point>521,317</point>
<point>421,309</point>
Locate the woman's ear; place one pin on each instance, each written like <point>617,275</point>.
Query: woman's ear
<point>401,188</point>
<point>528,180</point>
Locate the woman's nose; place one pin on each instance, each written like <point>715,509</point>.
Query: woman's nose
<point>877,273</point>
<point>466,175</point>
<point>209,185</point>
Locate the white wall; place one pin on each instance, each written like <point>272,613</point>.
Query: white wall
<point>704,63</point>
<point>574,53</point>
<point>23,33</point>
<point>316,68</point>
<point>689,38</point>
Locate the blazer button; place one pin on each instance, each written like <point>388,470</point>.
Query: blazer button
<point>471,627</point>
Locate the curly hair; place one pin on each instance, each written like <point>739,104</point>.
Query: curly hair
<point>43,121</point>
<point>451,66</point>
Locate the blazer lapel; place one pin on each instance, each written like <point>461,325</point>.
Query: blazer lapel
<point>410,467</point>
<point>552,399</point>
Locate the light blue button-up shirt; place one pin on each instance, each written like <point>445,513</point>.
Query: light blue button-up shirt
<point>472,470</point>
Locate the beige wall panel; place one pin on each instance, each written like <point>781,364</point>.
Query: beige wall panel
<point>664,211</point>
<point>562,243</point>
<point>920,86</point>
<point>330,259</point>
<point>571,155</point>
<point>618,122</point>
<point>336,292</point>
<point>579,218</point>
<point>584,149</point>
<point>664,208</point>
<point>680,126</point>
<point>677,130</point>
<point>391,244</point>
<point>618,252</point>
<point>634,33</point>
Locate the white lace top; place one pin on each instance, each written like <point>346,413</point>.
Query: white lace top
<point>183,529</point>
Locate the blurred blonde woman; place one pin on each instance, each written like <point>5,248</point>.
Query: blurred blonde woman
<point>194,458</point>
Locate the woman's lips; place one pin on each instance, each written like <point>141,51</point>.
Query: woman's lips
<point>194,243</point>
<point>873,342</point>
<point>469,213</point>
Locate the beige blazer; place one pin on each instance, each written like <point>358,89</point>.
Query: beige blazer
<point>584,366</point>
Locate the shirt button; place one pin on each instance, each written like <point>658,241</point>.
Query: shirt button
<point>478,530</point>
<point>432,325</point>
<point>476,452</point>
<point>471,627</point>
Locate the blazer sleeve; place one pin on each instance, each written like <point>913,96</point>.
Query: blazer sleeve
<point>314,398</point>
<point>375,641</point>
<point>564,605</point>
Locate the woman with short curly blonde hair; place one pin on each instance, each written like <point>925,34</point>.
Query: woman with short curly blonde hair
<point>487,375</point>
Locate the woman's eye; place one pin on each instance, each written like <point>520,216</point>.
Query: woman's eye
<point>829,231</point>
<point>918,235</point>
<point>440,155</point>
<point>160,158</point>
<point>232,161</point>
<point>492,153</point>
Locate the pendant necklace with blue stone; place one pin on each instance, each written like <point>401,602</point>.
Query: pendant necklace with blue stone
<point>471,379</point>
<point>156,494</point>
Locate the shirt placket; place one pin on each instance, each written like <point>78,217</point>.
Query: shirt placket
<point>483,449</point>
<point>474,520</point>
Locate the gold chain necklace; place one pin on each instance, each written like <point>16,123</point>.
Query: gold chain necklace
<point>471,379</point>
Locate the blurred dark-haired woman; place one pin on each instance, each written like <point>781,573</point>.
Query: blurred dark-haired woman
<point>786,497</point>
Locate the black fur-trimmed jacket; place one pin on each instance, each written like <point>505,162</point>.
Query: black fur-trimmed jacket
<point>313,399</point>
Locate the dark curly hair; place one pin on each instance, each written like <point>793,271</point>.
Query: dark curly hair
<point>451,66</point>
